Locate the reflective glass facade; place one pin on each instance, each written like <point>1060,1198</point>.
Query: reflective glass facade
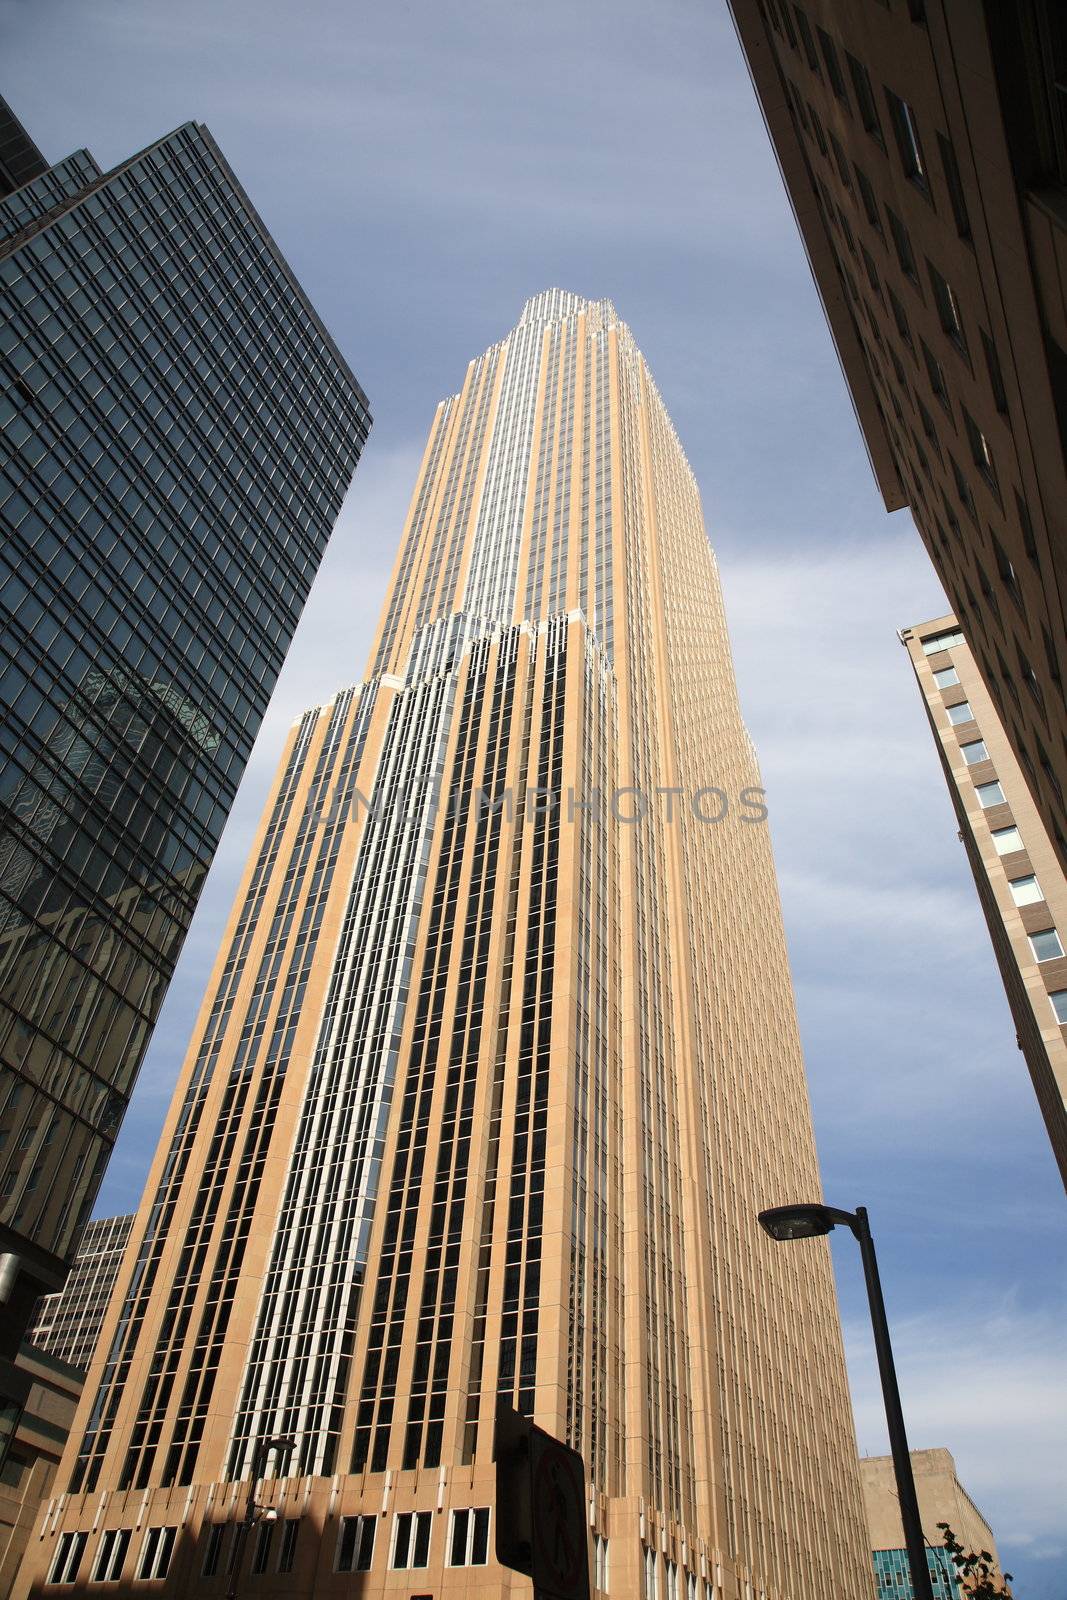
<point>178,432</point>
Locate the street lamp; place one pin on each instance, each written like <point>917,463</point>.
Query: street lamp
<point>284,1447</point>
<point>810,1222</point>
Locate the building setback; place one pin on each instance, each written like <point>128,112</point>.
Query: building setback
<point>67,1325</point>
<point>942,1498</point>
<point>1016,869</point>
<point>497,1065</point>
<point>923,144</point>
<point>178,432</point>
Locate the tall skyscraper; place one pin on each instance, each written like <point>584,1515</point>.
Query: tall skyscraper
<point>923,144</point>
<point>942,1498</point>
<point>178,432</point>
<point>497,1065</point>
<point>67,1325</point>
<point>1020,882</point>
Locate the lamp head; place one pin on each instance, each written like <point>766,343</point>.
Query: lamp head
<point>800,1222</point>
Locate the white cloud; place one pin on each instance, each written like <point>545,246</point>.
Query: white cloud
<point>993,1390</point>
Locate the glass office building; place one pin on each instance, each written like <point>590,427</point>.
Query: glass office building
<point>178,432</point>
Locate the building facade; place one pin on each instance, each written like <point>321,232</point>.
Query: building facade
<point>498,1063</point>
<point>942,1498</point>
<point>178,434</point>
<point>31,1450</point>
<point>923,144</point>
<point>67,1325</point>
<point>1016,866</point>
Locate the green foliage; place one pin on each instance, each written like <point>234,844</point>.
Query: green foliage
<point>975,1569</point>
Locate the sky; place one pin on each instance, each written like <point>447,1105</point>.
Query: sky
<point>427,167</point>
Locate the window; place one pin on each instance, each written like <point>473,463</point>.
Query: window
<point>961,712</point>
<point>902,245</point>
<point>1058,997</point>
<point>355,1544</point>
<point>1028,675</point>
<point>110,1555</point>
<point>981,454</point>
<point>156,1552</point>
<point>600,1563</point>
<point>261,1553</point>
<point>817,129</point>
<point>1006,840</point>
<point>867,195</point>
<point>928,428</point>
<point>900,318</point>
<point>842,162</point>
<point>906,131</point>
<point>833,65</point>
<point>213,1549</point>
<point>1026,527</point>
<point>872,271</point>
<point>287,1552</point>
<point>963,489</point>
<point>945,677</point>
<point>1025,891</point>
<point>936,374</point>
<point>989,794</point>
<point>868,108</point>
<point>68,1556</point>
<point>974,751</point>
<point>948,308</point>
<point>996,377</point>
<point>941,641</point>
<point>954,185</point>
<point>1046,945</point>
<point>411,1539</point>
<point>806,39</point>
<point>468,1545</point>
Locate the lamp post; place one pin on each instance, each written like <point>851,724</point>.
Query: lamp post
<point>263,1449</point>
<point>809,1222</point>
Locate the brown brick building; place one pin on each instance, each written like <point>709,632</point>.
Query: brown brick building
<point>923,144</point>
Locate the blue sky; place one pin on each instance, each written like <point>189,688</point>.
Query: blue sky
<point>427,167</point>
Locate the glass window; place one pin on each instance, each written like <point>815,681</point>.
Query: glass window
<point>945,676</point>
<point>156,1553</point>
<point>974,750</point>
<point>287,1553</point>
<point>941,641</point>
<point>989,794</point>
<point>1046,945</point>
<point>355,1544</point>
<point>868,108</point>
<point>411,1539</point>
<point>948,308</point>
<point>67,1559</point>
<point>961,712</point>
<point>469,1543</point>
<point>1058,998</point>
<point>908,143</point>
<point>833,65</point>
<point>114,1543</point>
<point>1005,840</point>
<point>1025,891</point>
<point>954,184</point>
<point>902,246</point>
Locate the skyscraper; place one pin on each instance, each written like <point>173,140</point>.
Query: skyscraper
<point>67,1325</point>
<point>178,432</point>
<point>923,144</point>
<point>1017,873</point>
<point>496,1067</point>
